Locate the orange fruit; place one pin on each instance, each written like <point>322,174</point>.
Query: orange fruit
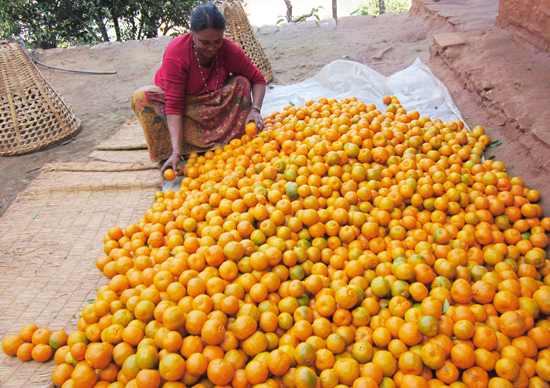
<point>78,351</point>
<point>433,355</point>
<point>463,356</point>
<point>61,374</point>
<point>58,339</point>
<point>512,324</point>
<point>98,355</point>
<point>213,332</point>
<point>27,331</point>
<point>11,343</point>
<point>172,367</point>
<point>220,371</point>
<point>24,352</point>
<point>42,352</point>
<point>109,374</point>
<point>386,361</point>
<point>146,357</point>
<point>448,373</point>
<point>304,354</point>
<point>169,174</point>
<point>410,363</point>
<point>83,375</point>
<point>41,336</point>
<point>250,128</point>
<point>256,372</point>
<point>147,378</point>
<point>304,377</point>
<point>278,362</point>
<point>244,326</point>
<point>196,364</point>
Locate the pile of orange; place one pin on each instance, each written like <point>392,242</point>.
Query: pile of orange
<point>33,343</point>
<point>341,247</point>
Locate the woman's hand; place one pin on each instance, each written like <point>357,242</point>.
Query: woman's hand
<point>172,163</point>
<point>175,127</point>
<point>256,117</point>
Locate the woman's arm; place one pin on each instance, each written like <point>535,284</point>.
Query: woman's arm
<point>175,127</point>
<point>258,93</point>
<point>239,64</point>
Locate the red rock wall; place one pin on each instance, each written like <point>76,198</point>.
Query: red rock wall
<point>532,16</point>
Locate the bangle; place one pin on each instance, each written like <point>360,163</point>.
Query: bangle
<point>257,108</point>
<point>178,155</point>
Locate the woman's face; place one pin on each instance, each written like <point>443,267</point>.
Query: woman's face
<point>208,41</point>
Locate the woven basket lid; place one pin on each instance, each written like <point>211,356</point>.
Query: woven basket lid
<point>32,114</point>
<point>239,30</point>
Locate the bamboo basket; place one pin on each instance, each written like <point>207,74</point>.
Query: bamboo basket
<point>239,30</point>
<point>32,114</point>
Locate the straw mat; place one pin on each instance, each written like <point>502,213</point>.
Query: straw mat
<point>97,166</point>
<point>134,157</point>
<point>50,238</point>
<point>126,146</point>
<point>129,137</point>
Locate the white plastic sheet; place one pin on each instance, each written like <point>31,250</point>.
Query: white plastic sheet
<point>415,87</point>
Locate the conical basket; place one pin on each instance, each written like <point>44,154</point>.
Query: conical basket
<point>32,114</point>
<point>239,30</point>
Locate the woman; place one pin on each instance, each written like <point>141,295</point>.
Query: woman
<point>201,97</point>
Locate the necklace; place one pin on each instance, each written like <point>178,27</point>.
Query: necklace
<point>202,75</point>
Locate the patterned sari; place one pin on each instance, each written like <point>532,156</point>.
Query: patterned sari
<point>210,121</point>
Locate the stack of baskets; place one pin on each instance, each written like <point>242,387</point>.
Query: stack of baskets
<point>32,114</point>
<point>239,30</point>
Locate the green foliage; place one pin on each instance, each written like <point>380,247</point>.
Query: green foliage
<point>314,13</point>
<point>59,23</point>
<point>370,7</point>
<point>43,21</point>
<point>298,19</point>
<point>8,26</point>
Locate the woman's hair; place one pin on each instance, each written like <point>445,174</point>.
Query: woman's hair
<point>207,16</point>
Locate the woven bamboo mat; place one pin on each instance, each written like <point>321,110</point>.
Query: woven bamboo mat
<point>126,146</point>
<point>133,156</point>
<point>129,137</point>
<point>98,166</point>
<point>49,240</point>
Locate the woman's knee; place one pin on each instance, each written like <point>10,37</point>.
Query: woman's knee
<point>141,93</point>
<point>242,82</point>
<point>138,95</point>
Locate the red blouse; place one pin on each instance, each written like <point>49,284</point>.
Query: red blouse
<point>179,73</point>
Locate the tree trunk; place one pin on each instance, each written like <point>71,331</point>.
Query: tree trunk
<point>151,28</point>
<point>101,26</point>
<point>116,25</point>
<point>335,9</point>
<point>288,11</point>
<point>381,6</point>
<point>141,27</point>
<point>68,8</point>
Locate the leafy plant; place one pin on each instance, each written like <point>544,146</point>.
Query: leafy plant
<point>371,7</point>
<point>290,19</point>
<point>60,23</point>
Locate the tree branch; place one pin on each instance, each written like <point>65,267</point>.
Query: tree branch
<point>305,16</point>
<point>167,28</point>
<point>69,10</point>
<point>381,7</point>
<point>288,11</point>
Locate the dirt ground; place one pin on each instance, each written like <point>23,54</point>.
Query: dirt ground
<point>387,43</point>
